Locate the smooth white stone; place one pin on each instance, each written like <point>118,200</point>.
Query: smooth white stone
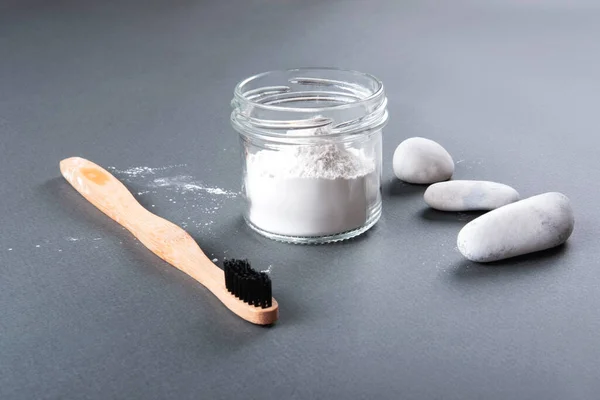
<point>469,195</point>
<point>537,223</point>
<point>422,161</point>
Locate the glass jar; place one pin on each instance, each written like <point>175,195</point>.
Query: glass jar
<point>311,152</point>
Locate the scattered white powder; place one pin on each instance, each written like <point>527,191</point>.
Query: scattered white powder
<point>37,245</point>
<point>142,171</point>
<point>182,191</point>
<point>215,259</point>
<point>72,239</point>
<point>134,171</point>
<point>10,249</point>
<point>268,270</point>
<point>313,190</point>
<point>470,163</point>
<point>185,183</point>
<point>216,191</point>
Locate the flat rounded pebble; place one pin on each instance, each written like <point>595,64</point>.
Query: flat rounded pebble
<point>422,161</point>
<point>469,195</point>
<point>537,223</point>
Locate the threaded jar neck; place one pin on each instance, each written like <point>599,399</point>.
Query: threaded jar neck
<point>294,104</point>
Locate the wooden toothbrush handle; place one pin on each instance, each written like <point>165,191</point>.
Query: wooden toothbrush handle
<point>163,238</point>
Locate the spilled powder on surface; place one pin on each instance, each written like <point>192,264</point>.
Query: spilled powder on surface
<point>184,200</point>
<point>268,270</point>
<point>134,172</point>
<point>186,183</point>
<point>78,239</point>
<point>468,164</point>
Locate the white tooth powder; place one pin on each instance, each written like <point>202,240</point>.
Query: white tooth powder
<point>310,190</point>
<point>311,143</point>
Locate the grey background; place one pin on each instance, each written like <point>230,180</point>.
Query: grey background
<point>510,88</point>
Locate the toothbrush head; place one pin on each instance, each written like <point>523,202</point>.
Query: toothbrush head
<point>247,284</point>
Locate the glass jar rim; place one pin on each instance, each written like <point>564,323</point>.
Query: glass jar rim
<point>240,95</point>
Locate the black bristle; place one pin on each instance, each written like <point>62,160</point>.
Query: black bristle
<point>247,284</point>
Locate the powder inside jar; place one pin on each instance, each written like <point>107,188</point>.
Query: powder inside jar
<point>310,190</point>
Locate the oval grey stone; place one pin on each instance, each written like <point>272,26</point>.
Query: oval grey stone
<point>537,223</point>
<point>469,195</point>
<point>422,161</point>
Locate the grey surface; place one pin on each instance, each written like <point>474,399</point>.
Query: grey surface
<point>510,88</point>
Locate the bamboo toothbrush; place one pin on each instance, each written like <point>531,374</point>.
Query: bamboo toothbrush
<point>240,288</point>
